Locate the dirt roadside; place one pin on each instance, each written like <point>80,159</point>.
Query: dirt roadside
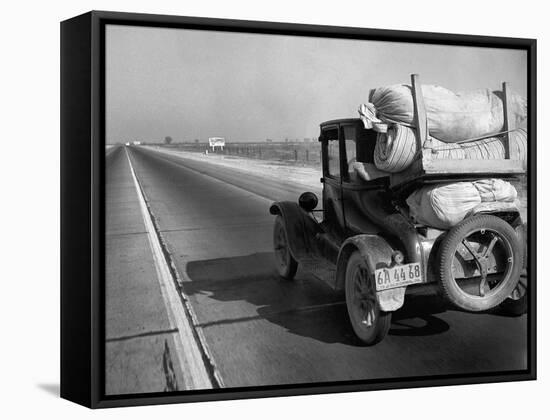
<point>303,175</point>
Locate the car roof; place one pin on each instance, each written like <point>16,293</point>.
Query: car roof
<point>341,121</point>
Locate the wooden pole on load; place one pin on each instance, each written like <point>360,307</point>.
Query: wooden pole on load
<point>420,118</point>
<point>509,151</point>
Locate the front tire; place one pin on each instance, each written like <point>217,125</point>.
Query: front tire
<point>369,323</point>
<point>285,262</point>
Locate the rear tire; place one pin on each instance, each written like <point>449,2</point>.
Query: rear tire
<point>369,323</point>
<point>516,304</point>
<point>285,262</point>
<point>475,235</point>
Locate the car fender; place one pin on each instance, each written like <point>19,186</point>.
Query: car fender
<point>377,254</point>
<point>300,228</point>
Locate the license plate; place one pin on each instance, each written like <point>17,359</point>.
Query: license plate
<point>398,276</point>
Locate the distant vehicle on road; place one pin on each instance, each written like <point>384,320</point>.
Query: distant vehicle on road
<point>136,143</point>
<point>366,243</point>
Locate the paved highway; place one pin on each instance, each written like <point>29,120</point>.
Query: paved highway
<point>256,328</point>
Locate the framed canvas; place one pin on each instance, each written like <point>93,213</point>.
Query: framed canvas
<point>256,209</point>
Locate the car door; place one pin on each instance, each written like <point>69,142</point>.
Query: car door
<point>350,186</point>
<point>357,196</point>
<point>332,181</point>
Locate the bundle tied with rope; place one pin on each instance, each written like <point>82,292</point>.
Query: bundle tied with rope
<point>460,125</point>
<point>443,206</point>
<point>397,148</point>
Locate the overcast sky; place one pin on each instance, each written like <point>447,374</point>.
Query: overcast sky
<point>191,84</point>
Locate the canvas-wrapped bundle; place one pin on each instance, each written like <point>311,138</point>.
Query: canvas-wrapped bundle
<point>443,206</point>
<point>495,189</point>
<point>452,117</point>
<point>490,148</point>
<point>397,148</point>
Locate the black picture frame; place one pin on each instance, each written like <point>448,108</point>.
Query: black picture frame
<point>83,213</point>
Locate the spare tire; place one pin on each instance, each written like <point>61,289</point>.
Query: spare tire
<point>480,262</point>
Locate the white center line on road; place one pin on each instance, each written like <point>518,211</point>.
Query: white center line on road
<point>190,350</point>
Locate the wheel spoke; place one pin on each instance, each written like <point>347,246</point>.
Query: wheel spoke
<point>475,255</point>
<point>360,280</point>
<point>491,246</point>
<point>470,249</point>
<point>481,262</point>
<point>368,316</point>
<point>482,284</point>
<point>365,297</point>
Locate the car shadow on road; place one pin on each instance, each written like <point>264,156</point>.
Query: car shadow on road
<point>306,306</point>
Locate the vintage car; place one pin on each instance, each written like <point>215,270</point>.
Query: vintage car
<point>363,240</point>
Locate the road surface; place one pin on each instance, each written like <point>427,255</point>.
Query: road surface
<point>254,327</point>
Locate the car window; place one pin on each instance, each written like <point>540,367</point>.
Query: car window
<point>351,157</point>
<point>333,154</point>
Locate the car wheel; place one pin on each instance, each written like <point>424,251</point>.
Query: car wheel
<point>517,303</point>
<point>369,323</point>
<point>285,262</point>
<point>479,263</point>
